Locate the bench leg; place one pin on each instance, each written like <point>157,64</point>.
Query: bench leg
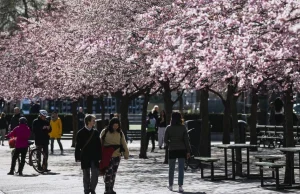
<point>273,173</point>
<point>277,178</point>
<point>201,167</point>
<point>212,171</point>
<point>261,176</point>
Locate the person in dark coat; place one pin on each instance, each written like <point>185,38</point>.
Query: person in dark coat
<point>80,118</point>
<point>88,152</point>
<point>3,127</point>
<point>35,108</point>
<point>14,122</point>
<point>41,129</point>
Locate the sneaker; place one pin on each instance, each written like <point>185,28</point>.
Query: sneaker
<point>170,188</point>
<point>10,173</point>
<point>20,174</point>
<point>180,189</point>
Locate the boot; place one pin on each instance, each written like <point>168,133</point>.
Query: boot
<point>10,173</point>
<point>20,170</point>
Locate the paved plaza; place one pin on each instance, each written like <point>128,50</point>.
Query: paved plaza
<point>134,176</point>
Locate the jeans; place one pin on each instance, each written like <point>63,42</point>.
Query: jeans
<point>2,133</point>
<point>152,136</point>
<point>90,182</point>
<point>172,163</point>
<point>44,149</point>
<point>161,134</point>
<point>59,143</point>
<point>18,151</point>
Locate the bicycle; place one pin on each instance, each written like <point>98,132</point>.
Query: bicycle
<point>33,158</point>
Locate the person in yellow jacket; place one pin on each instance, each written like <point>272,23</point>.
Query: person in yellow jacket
<point>56,132</point>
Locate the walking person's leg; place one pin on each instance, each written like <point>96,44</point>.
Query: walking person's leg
<point>86,180</point>
<point>94,178</point>
<point>13,161</point>
<point>181,162</point>
<point>109,177</point>
<point>172,163</point>
<point>46,155</point>
<point>160,137</point>
<point>22,163</point>
<point>60,146</point>
<point>116,162</point>
<point>153,141</point>
<point>148,138</point>
<point>2,131</point>
<point>52,144</point>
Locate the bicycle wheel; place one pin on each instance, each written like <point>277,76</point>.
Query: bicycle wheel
<point>35,158</point>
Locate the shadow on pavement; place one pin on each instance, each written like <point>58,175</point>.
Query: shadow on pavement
<point>51,173</point>
<point>30,175</point>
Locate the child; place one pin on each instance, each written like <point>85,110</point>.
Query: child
<point>22,134</point>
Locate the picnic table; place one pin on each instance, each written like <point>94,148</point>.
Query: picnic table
<point>291,150</point>
<point>233,147</point>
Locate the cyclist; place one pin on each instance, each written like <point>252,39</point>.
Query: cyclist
<point>22,134</point>
<point>41,128</point>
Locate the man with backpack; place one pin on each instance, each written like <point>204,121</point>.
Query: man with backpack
<point>151,130</point>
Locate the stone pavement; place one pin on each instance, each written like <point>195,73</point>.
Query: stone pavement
<point>134,176</point>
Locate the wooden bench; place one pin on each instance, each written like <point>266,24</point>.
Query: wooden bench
<point>273,166</point>
<point>208,160</point>
<point>269,158</point>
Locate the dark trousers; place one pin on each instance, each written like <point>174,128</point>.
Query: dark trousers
<point>59,143</point>
<point>90,182</point>
<point>111,172</point>
<point>17,152</point>
<point>45,150</point>
<point>152,136</point>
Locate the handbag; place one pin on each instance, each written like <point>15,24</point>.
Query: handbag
<point>12,142</point>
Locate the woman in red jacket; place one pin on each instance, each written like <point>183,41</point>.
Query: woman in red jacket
<point>22,134</point>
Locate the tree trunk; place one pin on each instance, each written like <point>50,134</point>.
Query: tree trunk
<point>89,104</point>
<point>180,102</point>
<point>205,141</point>
<point>102,111</point>
<point>253,118</point>
<point>143,149</point>
<point>198,99</point>
<point>25,9</point>
<point>289,136</point>
<point>125,100</point>
<point>226,116</point>
<point>237,135</point>
<point>75,125</point>
<point>168,104</point>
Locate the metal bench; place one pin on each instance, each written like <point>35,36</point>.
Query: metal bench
<point>211,161</point>
<point>273,166</point>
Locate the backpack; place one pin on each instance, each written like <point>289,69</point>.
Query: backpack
<point>152,123</point>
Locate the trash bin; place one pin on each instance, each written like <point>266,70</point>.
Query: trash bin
<point>242,125</point>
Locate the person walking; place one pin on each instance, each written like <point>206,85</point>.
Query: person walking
<point>151,126</point>
<point>88,152</point>
<point>15,119</point>
<point>56,131</point>
<point>114,144</point>
<point>3,127</point>
<point>161,128</point>
<point>41,129</point>
<point>22,134</point>
<point>80,118</point>
<point>176,137</point>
